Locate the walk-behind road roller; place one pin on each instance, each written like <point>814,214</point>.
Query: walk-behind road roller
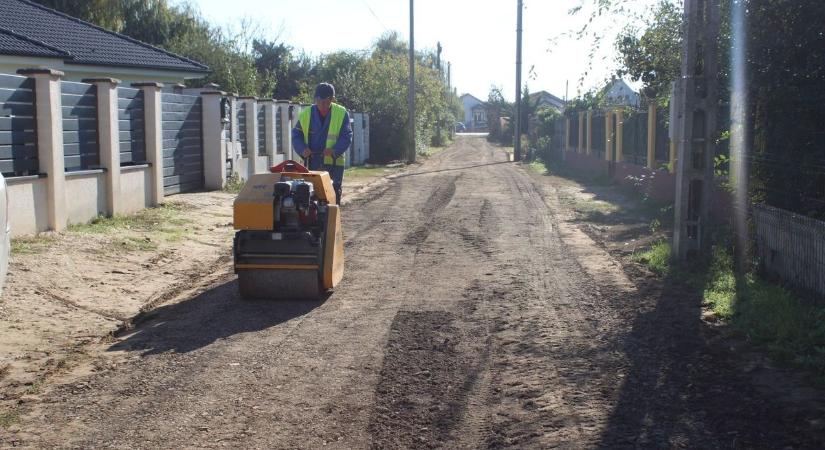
<point>289,243</point>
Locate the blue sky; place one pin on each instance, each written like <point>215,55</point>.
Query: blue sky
<point>478,36</point>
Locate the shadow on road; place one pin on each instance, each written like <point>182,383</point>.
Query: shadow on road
<point>682,386</point>
<point>684,383</point>
<point>215,314</point>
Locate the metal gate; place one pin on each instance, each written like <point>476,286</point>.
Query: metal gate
<point>182,143</point>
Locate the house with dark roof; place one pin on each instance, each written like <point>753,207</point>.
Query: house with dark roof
<point>34,36</point>
<point>544,99</point>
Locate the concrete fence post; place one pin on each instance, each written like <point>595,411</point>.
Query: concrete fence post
<point>270,133</point>
<point>233,149</point>
<point>366,137</point>
<point>108,131</point>
<point>49,117</point>
<point>214,157</point>
<point>672,156</point>
<point>619,135</point>
<point>651,136</point>
<point>589,137</point>
<point>251,117</point>
<point>566,134</point>
<point>580,146</point>
<point>608,135</point>
<point>153,115</point>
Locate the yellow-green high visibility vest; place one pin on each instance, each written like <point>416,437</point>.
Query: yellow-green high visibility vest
<point>335,123</point>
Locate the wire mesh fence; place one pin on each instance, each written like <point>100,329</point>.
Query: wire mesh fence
<point>791,247</point>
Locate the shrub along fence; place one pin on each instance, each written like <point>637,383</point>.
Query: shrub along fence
<point>98,148</point>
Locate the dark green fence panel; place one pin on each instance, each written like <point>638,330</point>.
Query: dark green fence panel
<point>662,136</point>
<point>279,144</point>
<point>18,133</point>
<point>634,138</point>
<point>261,121</point>
<point>574,132</point>
<point>132,126</point>
<point>81,148</point>
<point>242,128</point>
<point>598,142</point>
<point>182,143</point>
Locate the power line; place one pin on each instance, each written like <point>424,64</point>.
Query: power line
<point>377,19</point>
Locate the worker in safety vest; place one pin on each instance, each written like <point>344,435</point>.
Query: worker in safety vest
<point>323,134</point>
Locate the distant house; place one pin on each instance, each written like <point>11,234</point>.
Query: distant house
<point>618,93</point>
<point>475,113</point>
<point>33,36</point>
<point>544,99</point>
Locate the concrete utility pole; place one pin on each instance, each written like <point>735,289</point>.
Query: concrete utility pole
<point>449,93</point>
<point>517,129</point>
<point>411,89</point>
<point>449,77</point>
<point>441,79</point>
<point>697,98</point>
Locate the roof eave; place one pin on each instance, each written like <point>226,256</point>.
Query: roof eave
<point>204,71</point>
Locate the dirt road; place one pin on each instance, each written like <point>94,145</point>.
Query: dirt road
<point>473,314</point>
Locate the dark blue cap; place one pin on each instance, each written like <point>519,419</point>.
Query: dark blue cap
<point>324,91</point>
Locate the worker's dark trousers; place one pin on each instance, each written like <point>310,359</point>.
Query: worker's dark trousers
<point>336,173</point>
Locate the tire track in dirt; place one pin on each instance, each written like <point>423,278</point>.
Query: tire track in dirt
<point>438,199</point>
<point>425,380</point>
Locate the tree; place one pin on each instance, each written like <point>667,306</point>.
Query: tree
<point>497,108</point>
<point>654,57</point>
<point>103,13</point>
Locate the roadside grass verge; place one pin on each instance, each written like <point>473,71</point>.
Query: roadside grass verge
<point>432,150</point>
<point>165,222</point>
<point>141,231</point>
<point>538,166</point>
<point>28,245</point>
<point>372,170</point>
<point>586,205</point>
<point>657,258</point>
<point>789,328</point>
<point>630,204</point>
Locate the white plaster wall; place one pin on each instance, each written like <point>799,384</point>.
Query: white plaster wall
<point>85,196</point>
<point>135,189</point>
<point>243,168</point>
<point>28,212</point>
<point>261,164</point>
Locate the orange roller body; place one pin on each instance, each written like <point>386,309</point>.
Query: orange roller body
<point>289,238</point>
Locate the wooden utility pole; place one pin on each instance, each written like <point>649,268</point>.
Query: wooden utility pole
<point>517,129</point>
<point>697,101</point>
<point>411,89</point>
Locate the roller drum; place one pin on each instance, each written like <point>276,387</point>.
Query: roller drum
<point>278,284</point>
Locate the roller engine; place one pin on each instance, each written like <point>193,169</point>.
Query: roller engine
<point>289,242</point>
